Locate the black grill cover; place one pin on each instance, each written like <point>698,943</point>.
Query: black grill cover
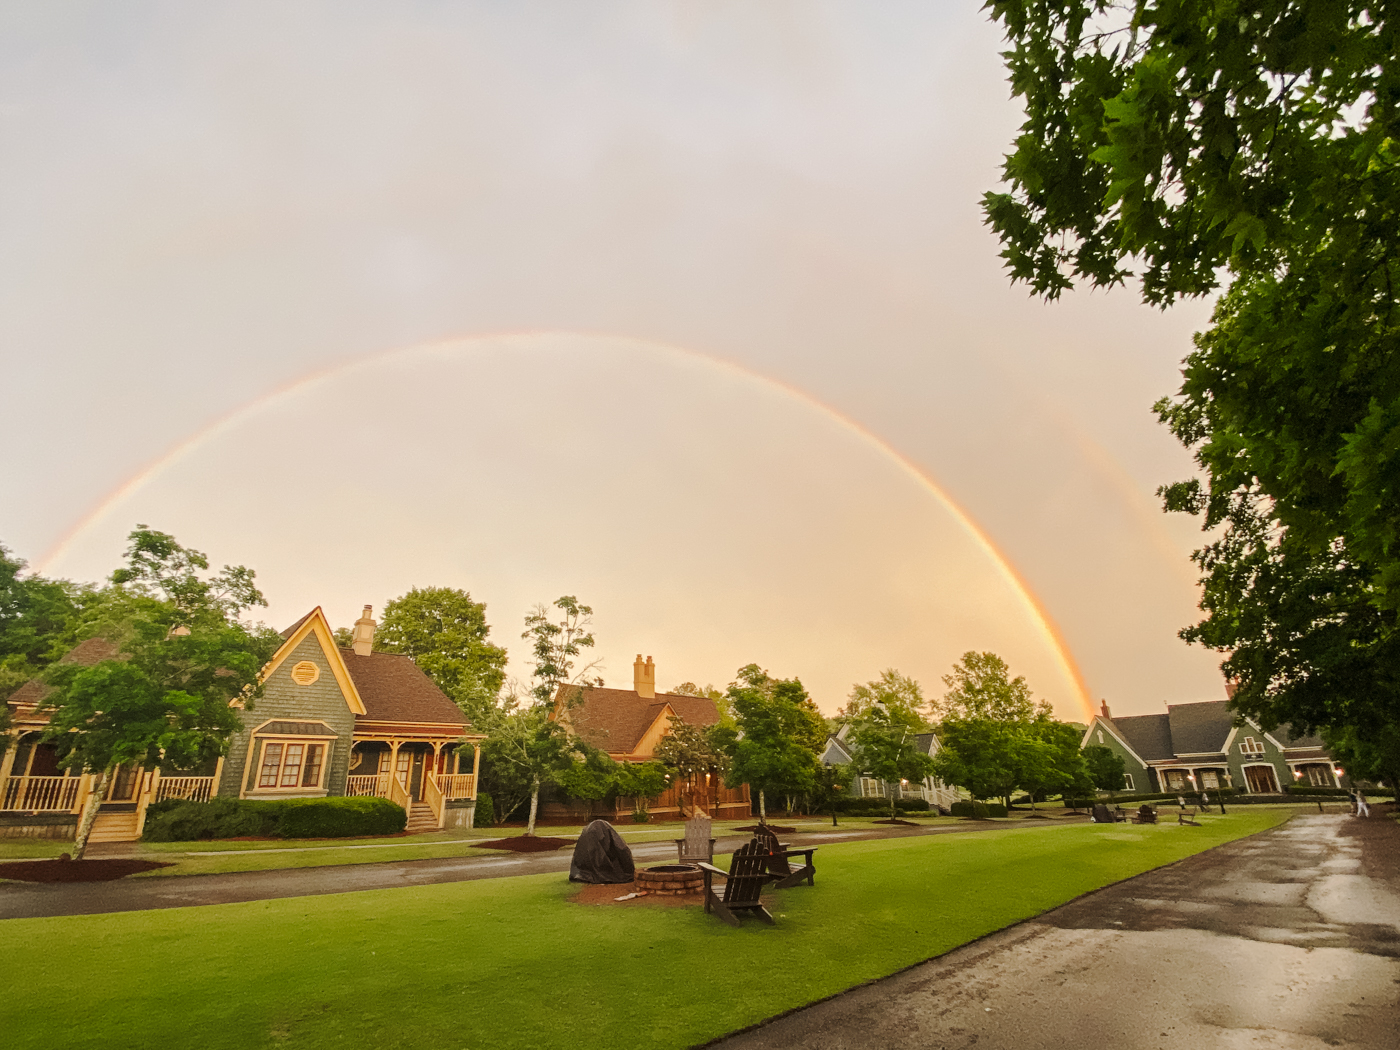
<point>600,856</point>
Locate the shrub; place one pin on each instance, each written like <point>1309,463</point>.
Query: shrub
<point>485,811</point>
<point>176,820</point>
<point>338,817</point>
<point>878,807</point>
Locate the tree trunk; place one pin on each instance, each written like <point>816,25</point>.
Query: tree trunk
<point>89,817</point>
<point>762,809</point>
<point>534,806</point>
<point>893,790</point>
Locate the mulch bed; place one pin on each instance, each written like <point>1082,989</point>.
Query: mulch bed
<point>889,820</point>
<point>525,844</point>
<point>774,828</point>
<point>599,895</point>
<point>63,870</point>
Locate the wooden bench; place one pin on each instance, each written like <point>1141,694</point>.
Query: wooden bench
<point>1186,814</point>
<point>744,881</point>
<point>779,867</point>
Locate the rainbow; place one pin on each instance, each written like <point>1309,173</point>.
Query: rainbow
<point>1045,624</point>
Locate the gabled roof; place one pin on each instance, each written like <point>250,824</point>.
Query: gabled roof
<point>1199,729</point>
<point>1149,736</point>
<point>89,652</point>
<point>836,752</point>
<point>394,689</point>
<point>314,623</point>
<point>616,720</point>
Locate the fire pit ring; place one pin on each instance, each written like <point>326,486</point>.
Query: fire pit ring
<point>671,880</point>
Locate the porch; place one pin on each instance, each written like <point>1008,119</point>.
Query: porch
<point>424,776</point>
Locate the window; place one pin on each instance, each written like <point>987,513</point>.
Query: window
<point>1250,746</point>
<point>1210,779</point>
<point>1100,736</point>
<point>1128,781</point>
<point>290,765</point>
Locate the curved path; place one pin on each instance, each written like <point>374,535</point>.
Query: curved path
<point>23,900</point>
<point>1286,939</point>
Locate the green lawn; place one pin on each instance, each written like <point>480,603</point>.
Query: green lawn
<point>513,963</point>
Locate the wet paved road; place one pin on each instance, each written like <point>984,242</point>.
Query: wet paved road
<point>1288,939</point>
<point>24,900</point>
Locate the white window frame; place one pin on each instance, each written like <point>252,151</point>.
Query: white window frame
<point>1128,782</point>
<point>259,753</point>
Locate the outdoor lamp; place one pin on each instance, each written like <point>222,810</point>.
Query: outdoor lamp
<point>1298,773</point>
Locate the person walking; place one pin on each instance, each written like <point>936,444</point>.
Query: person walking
<point>1362,810</point>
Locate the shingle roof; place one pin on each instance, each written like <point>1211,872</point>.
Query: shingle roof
<point>1149,735</point>
<point>1199,729</point>
<point>89,652</point>
<point>395,689</point>
<point>615,720</point>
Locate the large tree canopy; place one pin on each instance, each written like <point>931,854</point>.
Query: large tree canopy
<point>447,635</point>
<point>777,736</point>
<point>1186,145</point>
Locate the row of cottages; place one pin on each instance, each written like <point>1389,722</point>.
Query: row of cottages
<point>933,791</point>
<point>1195,747</point>
<point>331,721</point>
<point>628,724</point>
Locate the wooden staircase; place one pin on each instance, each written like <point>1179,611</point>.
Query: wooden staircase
<point>114,827</point>
<point>421,819</point>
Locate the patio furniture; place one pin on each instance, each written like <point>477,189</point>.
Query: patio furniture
<point>1145,815</point>
<point>786,874</point>
<point>1186,814</point>
<point>697,845</point>
<point>748,871</point>
<point>1103,815</point>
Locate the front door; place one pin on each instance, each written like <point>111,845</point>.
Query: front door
<point>415,784</point>
<point>1261,780</point>
<point>122,787</point>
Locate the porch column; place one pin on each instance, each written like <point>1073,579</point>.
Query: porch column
<point>437,757</point>
<point>8,762</point>
<point>476,765</point>
<point>393,761</point>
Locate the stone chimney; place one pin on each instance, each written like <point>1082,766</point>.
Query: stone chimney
<point>363,643</point>
<point>1230,686</point>
<point>1103,709</point>
<point>644,678</point>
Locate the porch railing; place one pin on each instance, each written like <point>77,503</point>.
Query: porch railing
<point>398,793</point>
<point>373,784</point>
<point>192,789</point>
<point>41,794</point>
<point>432,795</point>
<point>457,785</point>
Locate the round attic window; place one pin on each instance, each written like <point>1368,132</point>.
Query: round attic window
<point>305,673</point>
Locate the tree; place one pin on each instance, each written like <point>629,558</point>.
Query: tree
<point>36,617</point>
<point>167,699</point>
<point>1056,765</point>
<point>694,759</point>
<point>982,755</point>
<point>1190,144</point>
<point>898,694</point>
<point>829,785</point>
<point>1372,756</point>
<point>777,736</point>
<point>535,750</point>
<point>1105,768</point>
<point>886,748</point>
<point>556,645</point>
<point>981,687</point>
<point>446,634</point>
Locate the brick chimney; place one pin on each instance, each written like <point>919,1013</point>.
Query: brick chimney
<point>644,678</point>
<point>1103,709</point>
<point>363,642</point>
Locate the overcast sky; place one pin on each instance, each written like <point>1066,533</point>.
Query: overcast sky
<point>758,219</point>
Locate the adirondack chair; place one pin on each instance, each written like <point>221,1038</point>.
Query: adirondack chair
<point>697,844</point>
<point>786,874</point>
<point>1186,814</point>
<point>748,871</point>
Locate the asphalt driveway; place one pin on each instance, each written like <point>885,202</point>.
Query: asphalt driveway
<point>1287,939</point>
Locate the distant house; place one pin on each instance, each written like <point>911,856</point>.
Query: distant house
<point>1196,747</point>
<point>331,721</point>
<point>838,752</point>
<point>628,724</point>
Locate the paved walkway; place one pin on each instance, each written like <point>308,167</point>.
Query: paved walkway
<point>22,900</point>
<point>1288,939</point>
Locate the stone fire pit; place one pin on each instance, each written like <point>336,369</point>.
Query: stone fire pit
<point>671,880</point>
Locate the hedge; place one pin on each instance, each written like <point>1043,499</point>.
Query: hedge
<point>878,807</point>
<point>977,810</point>
<point>485,811</point>
<point>1326,792</point>
<point>177,820</point>
<point>1160,796</point>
